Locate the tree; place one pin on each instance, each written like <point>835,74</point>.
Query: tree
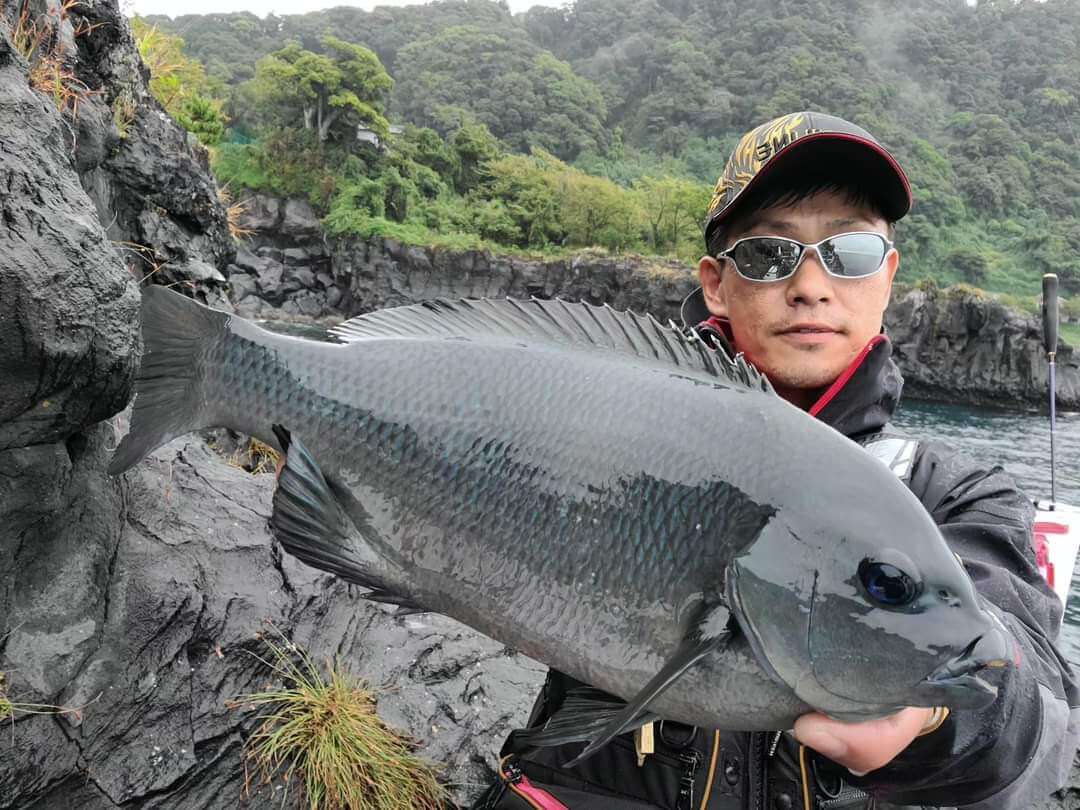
<point>330,94</point>
<point>521,93</point>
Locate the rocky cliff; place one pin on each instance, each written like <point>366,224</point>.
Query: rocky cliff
<point>139,599</point>
<point>952,345</point>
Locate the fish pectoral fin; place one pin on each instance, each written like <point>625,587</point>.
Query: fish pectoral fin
<point>710,634</point>
<point>585,713</point>
<point>309,521</point>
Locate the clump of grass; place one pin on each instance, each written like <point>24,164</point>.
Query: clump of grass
<point>320,732</point>
<point>38,40</point>
<point>255,457</point>
<point>124,110</point>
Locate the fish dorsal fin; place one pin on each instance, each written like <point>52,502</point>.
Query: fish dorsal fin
<point>556,322</point>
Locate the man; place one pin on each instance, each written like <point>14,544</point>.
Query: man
<point>798,273</point>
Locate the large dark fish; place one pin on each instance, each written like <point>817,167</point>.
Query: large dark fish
<point>596,490</point>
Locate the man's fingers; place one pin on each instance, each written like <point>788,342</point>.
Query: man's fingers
<point>861,747</point>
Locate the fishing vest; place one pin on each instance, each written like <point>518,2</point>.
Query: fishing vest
<point>685,767</point>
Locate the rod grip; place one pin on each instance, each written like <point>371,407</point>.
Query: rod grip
<point>1050,312</point>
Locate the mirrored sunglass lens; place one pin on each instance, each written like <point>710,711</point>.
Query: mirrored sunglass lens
<point>765,259</point>
<point>853,254</point>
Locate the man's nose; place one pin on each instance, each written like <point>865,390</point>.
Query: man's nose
<point>810,284</point>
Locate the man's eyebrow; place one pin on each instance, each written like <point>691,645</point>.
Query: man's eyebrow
<point>844,221</point>
<point>774,224</point>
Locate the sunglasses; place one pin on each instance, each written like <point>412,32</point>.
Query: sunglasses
<point>773,258</point>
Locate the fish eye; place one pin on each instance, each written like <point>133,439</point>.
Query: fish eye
<point>887,584</point>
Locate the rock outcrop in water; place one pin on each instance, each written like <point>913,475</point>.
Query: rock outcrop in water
<point>139,599</point>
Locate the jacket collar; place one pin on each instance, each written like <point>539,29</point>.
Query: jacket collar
<point>860,401</point>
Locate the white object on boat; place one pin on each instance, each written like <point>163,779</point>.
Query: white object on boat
<point>1057,540</point>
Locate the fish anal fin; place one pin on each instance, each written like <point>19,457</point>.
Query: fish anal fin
<point>711,633</point>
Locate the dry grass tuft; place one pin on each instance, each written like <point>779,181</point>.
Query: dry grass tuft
<point>321,733</point>
<point>38,39</point>
<point>234,210</point>
<point>255,457</point>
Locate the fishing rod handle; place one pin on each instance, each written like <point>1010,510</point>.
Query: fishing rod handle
<point>1050,312</point>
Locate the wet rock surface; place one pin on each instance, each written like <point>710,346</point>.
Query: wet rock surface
<point>167,635</point>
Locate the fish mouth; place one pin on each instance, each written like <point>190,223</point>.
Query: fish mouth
<point>955,680</point>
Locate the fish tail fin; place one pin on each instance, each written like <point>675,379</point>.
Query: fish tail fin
<point>169,386</point>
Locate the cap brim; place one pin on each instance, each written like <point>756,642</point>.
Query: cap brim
<point>821,150</point>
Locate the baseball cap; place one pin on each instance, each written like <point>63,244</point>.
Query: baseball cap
<point>807,139</point>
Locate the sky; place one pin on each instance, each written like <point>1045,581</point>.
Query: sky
<point>264,7</point>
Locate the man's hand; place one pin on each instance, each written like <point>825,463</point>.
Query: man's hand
<point>862,747</point>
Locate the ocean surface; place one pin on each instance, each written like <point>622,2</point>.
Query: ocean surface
<point>1019,442</point>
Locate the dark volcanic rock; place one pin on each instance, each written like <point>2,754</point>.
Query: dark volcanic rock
<point>138,599</point>
<point>159,636</point>
<point>960,346</point>
<point>68,331</point>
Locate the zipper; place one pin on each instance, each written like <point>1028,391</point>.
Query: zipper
<point>846,797</point>
<point>690,761</point>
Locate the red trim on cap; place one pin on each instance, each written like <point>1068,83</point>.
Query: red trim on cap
<point>842,380</point>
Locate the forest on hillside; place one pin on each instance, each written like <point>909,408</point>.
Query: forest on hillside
<point>563,127</point>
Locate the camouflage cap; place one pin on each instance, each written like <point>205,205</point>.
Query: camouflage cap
<point>772,143</point>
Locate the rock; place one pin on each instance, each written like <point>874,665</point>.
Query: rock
<point>68,321</point>
<point>269,279</point>
<point>301,277</point>
<point>296,256</point>
<point>962,346</point>
<point>261,213</point>
<point>300,220</point>
<point>249,261</point>
<point>241,285</point>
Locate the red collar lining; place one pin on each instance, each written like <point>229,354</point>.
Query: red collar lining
<point>842,380</point>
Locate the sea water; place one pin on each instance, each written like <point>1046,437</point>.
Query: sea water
<point>1019,442</point>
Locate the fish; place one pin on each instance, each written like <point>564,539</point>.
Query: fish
<point>604,493</point>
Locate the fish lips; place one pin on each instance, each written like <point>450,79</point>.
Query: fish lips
<point>955,683</point>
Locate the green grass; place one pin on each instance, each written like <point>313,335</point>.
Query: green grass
<point>319,731</point>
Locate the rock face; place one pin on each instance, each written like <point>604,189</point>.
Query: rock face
<point>962,346</point>
<point>138,599</point>
<point>186,580</point>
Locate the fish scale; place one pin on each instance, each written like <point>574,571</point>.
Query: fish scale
<point>589,487</point>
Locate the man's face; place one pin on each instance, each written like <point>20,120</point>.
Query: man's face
<point>803,331</point>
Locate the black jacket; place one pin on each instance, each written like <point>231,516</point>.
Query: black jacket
<point>1016,751</point>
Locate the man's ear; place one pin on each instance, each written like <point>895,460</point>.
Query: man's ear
<point>710,271</point>
<point>892,264</point>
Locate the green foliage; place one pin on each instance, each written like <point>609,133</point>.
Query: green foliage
<point>980,103</point>
<point>521,93</point>
<point>330,93</point>
<point>178,82</point>
<point>971,264</point>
